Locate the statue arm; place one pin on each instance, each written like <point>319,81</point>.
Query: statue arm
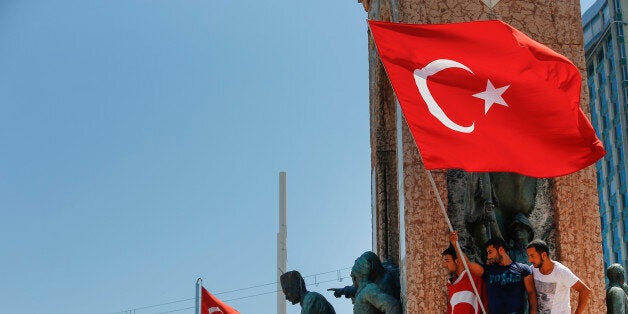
<point>382,301</point>
<point>347,291</point>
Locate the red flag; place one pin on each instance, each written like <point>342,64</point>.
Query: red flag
<point>482,96</point>
<point>212,305</point>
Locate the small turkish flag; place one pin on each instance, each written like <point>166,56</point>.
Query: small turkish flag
<point>212,305</point>
<point>482,96</point>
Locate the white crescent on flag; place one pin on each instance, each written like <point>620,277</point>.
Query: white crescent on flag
<point>490,96</point>
<point>420,77</point>
<point>215,309</point>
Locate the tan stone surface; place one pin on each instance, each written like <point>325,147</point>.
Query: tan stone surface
<point>556,24</point>
<point>426,233</point>
<point>579,242</point>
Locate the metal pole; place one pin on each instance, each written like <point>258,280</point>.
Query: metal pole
<point>199,286</point>
<point>282,250</point>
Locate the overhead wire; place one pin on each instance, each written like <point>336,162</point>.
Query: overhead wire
<point>255,295</point>
<point>340,278</point>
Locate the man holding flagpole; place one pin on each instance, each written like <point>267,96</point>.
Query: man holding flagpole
<point>461,298</point>
<point>507,282</point>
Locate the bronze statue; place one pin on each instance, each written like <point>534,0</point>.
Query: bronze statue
<point>369,297</point>
<point>498,204</point>
<point>616,298</point>
<point>519,233</point>
<point>293,287</point>
<point>385,275</point>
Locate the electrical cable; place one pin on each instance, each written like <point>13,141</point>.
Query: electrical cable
<point>255,295</point>
<point>240,289</point>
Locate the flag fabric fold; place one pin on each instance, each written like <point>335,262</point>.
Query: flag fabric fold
<point>212,305</point>
<point>482,96</point>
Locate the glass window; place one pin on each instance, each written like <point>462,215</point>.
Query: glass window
<point>606,14</point>
<point>596,25</point>
<point>600,58</point>
<point>588,35</point>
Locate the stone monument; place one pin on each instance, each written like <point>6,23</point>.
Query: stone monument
<point>408,226</point>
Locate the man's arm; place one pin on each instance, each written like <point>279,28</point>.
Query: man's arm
<point>528,282</point>
<point>583,295</point>
<point>475,268</point>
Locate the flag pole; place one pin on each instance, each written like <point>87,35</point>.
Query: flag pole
<point>199,285</point>
<point>451,229</point>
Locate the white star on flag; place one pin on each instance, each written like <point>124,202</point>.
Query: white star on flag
<point>492,96</point>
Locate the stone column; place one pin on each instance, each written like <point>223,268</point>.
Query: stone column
<point>383,153</point>
<point>422,231</point>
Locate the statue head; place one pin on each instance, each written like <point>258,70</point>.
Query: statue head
<point>615,274</point>
<point>366,268</point>
<point>520,229</point>
<point>293,286</point>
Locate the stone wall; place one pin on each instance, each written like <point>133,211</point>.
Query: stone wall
<point>424,231</point>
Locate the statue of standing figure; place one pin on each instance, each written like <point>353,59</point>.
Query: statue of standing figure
<point>375,287</point>
<point>293,287</point>
<point>385,275</point>
<point>616,294</point>
<point>497,205</point>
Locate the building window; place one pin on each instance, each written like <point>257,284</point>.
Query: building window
<point>596,25</point>
<point>588,34</point>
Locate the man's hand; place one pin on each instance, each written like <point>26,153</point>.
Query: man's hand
<point>475,268</point>
<point>453,238</point>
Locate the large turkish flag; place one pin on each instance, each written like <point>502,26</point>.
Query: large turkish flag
<point>212,305</point>
<point>483,96</point>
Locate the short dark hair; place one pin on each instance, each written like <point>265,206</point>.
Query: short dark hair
<point>450,251</point>
<point>539,245</point>
<point>496,242</point>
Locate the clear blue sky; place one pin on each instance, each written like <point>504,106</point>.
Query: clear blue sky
<point>142,141</point>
